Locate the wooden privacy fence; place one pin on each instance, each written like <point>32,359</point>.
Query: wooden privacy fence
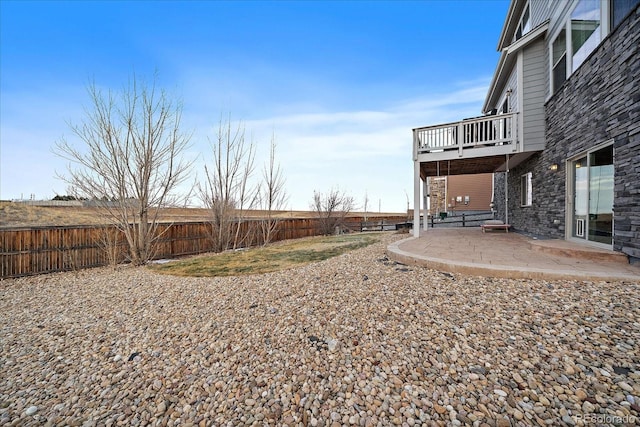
<point>37,250</point>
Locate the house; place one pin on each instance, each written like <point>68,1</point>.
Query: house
<point>458,194</point>
<point>561,125</point>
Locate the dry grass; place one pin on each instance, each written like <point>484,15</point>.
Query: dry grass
<point>22,215</point>
<point>279,256</point>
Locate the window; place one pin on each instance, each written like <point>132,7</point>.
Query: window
<point>585,31</point>
<point>580,36</point>
<point>524,25</point>
<point>620,9</point>
<point>526,192</point>
<point>559,60</point>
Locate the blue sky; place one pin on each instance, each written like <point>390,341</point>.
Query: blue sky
<point>340,84</point>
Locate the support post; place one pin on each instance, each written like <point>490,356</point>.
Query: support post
<point>416,198</point>
<point>460,137</point>
<point>506,192</point>
<point>425,204</point>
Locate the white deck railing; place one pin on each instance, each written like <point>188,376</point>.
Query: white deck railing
<point>484,131</point>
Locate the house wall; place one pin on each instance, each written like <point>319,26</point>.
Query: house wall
<point>627,192</point>
<point>437,195</point>
<point>598,103</point>
<point>546,215</point>
<point>534,76</point>
<point>539,10</point>
<point>478,187</point>
<point>512,84</point>
<point>443,189</point>
<point>499,196</point>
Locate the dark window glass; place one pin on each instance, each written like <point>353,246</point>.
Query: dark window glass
<point>524,25</point>
<point>560,73</point>
<point>559,60</point>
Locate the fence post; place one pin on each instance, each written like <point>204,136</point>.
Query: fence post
<point>463,224</point>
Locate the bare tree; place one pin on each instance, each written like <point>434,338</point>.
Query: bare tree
<point>132,160</point>
<point>273,196</point>
<point>227,191</point>
<point>331,209</point>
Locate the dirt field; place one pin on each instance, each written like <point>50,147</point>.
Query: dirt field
<point>14,214</point>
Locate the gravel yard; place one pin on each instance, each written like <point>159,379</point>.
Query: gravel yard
<point>354,340</point>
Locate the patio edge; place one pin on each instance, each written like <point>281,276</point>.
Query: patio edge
<point>498,271</point>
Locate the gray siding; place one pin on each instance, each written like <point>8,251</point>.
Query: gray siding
<point>512,84</point>
<point>539,11</point>
<point>534,84</point>
<point>547,68</point>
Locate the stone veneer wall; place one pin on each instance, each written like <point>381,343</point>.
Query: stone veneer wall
<point>600,102</point>
<point>546,215</point>
<point>498,196</point>
<point>437,202</point>
<point>626,203</point>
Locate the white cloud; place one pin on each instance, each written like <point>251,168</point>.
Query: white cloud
<point>360,151</point>
<point>319,146</point>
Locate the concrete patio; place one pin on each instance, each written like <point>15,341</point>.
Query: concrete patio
<point>511,255</point>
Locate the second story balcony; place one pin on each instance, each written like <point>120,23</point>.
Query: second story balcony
<point>478,137</point>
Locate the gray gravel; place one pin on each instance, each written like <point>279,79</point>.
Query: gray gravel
<point>354,340</point>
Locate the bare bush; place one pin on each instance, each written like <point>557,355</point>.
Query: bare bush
<point>131,162</point>
<point>227,190</point>
<point>331,209</point>
<point>272,195</point>
<point>108,239</point>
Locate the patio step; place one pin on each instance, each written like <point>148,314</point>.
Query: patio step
<point>570,249</point>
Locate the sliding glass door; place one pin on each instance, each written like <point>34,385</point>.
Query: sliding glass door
<point>592,196</point>
<point>580,197</point>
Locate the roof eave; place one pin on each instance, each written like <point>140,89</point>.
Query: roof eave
<point>515,9</point>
